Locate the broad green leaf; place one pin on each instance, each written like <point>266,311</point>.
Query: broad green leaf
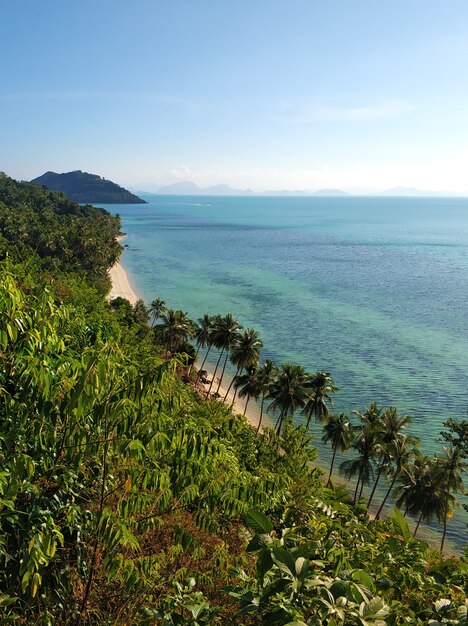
<point>400,524</point>
<point>258,522</point>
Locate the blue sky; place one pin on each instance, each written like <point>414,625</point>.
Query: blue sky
<point>302,94</point>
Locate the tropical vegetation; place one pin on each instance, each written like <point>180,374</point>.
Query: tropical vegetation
<point>129,497</point>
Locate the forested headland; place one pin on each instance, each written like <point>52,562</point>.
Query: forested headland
<point>130,496</point>
<point>83,188</point>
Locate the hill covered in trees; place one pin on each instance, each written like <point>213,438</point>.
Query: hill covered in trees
<point>126,497</point>
<point>87,188</point>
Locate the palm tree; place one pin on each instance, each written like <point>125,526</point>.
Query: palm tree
<point>400,451</point>
<point>247,384</point>
<point>228,337</point>
<point>365,444</point>
<point>245,353</point>
<point>157,308</point>
<point>266,374</point>
<point>421,492</point>
<point>288,392</point>
<point>320,386</point>
<point>175,330</point>
<point>371,415</point>
<point>212,323</point>
<point>450,469</point>
<point>387,428</point>
<point>338,430</point>
<point>224,334</point>
<point>202,335</point>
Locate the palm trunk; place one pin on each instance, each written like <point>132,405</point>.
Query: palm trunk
<point>246,405</point>
<point>417,525</point>
<point>445,529</point>
<point>261,413</point>
<point>357,485</point>
<point>386,496</point>
<point>194,360</point>
<point>379,473</point>
<point>279,423</point>
<point>361,490</point>
<point>331,466</point>
<point>214,375</point>
<point>222,373</point>
<point>231,383</point>
<point>203,363</point>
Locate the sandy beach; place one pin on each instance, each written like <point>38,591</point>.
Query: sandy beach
<point>121,286</point>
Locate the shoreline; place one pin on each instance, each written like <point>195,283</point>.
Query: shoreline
<point>121,286</point>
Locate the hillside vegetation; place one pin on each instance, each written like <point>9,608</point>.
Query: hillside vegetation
<point>83,188</point>
<point>128,498</point>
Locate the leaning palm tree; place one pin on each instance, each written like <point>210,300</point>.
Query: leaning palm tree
<point>288,392</point>
<point>320,386</point>
<point>202,335</point>
<point>245,353</point>
<point>400,451</point>
<point>450,469</point>
<point>420,491</point>
<point>212,323</point>
<point>387,427</point>
<point>225,331</point>
<point>228,337</point>
<point>371,414</point>
<point>247,384</point>
<point>156,310</point>
<point>339,431</point>
<point>175,330</point>
<point>266,374</point>
<point>365,443</point>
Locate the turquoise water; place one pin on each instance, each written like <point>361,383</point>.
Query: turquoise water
<point>373,290</point>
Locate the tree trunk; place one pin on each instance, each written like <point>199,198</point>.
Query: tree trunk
<point>222,373</point>
<point>417,525</point>
<point>379,473</point>
<point>203,363</point>
<point>357,485</point>
<point>231,383</point>
<point>194,360</point>
<point>279,423</point>
<point>445,529</point>
<point>261,413</point>
<point>386,496</point>
<point>331,466</point>
<point>361,489</point>
<point>214,375</point>
<point>246,405</point>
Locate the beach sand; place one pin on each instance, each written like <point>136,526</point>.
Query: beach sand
<point>121,286</point>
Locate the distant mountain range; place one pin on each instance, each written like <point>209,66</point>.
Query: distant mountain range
<point>87,188</point>
<point>188,188</point>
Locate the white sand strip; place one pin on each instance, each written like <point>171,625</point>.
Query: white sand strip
<point>121,286</point>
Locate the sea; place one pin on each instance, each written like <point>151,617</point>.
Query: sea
<point>373,290</point>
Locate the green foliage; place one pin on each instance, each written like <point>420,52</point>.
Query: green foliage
<point>126,499</point>
<point>83,187</point>
<point>66,236</point>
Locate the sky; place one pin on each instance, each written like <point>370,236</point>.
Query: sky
<point>261,94</point>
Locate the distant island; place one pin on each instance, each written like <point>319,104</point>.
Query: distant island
<point>87,188</point>
<point>189,188</point>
